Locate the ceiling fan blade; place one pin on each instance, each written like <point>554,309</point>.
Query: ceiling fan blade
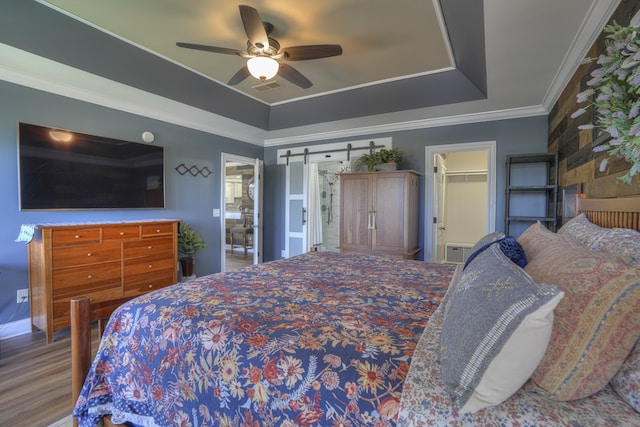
<point>238,77</point>
<point>254,27</point>
<point>294,76</point>
<point>302,53</point>
<point>208,48</point>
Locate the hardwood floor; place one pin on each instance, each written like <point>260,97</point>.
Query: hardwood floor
<point>236,260</point>
<point>35,379</point>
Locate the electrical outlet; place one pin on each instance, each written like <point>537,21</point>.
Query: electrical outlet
<point>23,295</point>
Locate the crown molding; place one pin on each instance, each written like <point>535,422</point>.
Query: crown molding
<point>26,69</point>
<point>485,116</point>
<point>595,20</point>
<point>32,71</point>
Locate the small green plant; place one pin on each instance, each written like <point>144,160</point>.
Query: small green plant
<point>368,161</point>
<point>385,155</point>
<point>189,242</point>
<point>391,155</point>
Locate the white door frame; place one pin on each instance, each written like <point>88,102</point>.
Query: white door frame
<point>257,205</point>
<point>440,211</point>
<point>430,239</point>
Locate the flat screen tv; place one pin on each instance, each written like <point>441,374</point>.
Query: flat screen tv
<point>60,169</point>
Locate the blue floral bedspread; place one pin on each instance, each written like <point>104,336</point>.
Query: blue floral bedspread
<point>322,339</point>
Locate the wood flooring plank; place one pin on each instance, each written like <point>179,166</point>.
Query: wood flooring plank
<point>35,379</point>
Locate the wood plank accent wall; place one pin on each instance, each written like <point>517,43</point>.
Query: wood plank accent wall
<point>578,162</point>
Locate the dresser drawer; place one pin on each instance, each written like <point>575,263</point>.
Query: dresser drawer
<point>121,232</point>
<point>62,304</point>
<point>153,230</point>
<point>78,236</point>
<point>76,281</point>
<point>143,283</point>
<point>137,266</point>
<point>161,246</point>
<point>85,254</point>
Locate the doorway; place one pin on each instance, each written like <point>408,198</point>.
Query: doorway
<point>459,199</point>
<point>329,196</point>
<point>241,213</point>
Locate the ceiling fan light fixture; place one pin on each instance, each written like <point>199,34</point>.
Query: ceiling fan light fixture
<point>263,67</point>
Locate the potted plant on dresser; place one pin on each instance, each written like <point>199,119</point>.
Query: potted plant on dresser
<point>189,242</point>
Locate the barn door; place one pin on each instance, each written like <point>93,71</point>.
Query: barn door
<point>296,213</point>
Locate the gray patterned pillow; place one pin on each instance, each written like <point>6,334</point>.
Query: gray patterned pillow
<point>583,231</point>
<point>624,242</point>
<point>491,237</point>
<point>618,241</point>
<point>495,331</point>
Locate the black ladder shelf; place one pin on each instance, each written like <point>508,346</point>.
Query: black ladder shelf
<point>532,191</point>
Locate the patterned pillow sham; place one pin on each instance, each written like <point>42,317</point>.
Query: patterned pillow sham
<point>535,239</point>
<point>496,328</point>
<point>624,242</point>
<point>627,381</point>
<point>584,232</point>
<point>619,241</point>
<point>596,324</point>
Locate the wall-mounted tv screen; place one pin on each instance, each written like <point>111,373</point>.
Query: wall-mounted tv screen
<point>60,169</point>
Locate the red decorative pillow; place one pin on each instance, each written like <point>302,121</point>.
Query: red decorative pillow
<point>596,324</point>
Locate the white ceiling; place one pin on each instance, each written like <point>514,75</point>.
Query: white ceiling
<point>531,48</point>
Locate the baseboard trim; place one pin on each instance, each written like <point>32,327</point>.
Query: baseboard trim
<point>13,329</point>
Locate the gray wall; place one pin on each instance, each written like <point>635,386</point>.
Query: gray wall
<point>188,198</point>
<point>515,136</point>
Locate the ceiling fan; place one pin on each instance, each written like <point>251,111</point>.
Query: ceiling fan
<point>264,52</point>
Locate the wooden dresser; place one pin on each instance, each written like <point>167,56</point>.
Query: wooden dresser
<point>379,213</point>
<point>104,261</point>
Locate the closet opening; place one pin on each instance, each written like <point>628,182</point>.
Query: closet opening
<point>460,197</point>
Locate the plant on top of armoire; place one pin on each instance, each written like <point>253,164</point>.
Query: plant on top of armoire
<point>385,159</point>
<point>614,93</point>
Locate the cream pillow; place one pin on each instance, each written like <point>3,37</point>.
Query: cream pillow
<point>517,360</point>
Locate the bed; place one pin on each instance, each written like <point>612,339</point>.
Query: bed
<point>327,339</point>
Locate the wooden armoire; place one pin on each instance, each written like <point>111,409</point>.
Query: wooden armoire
<point>379,213</point>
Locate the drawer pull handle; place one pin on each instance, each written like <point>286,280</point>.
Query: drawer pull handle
<point>89,254</point>
<point>90,276</point>
<point>122,233</point>
<point>150,286</point>
<point>77,236</point>
<point>149,247</point>
<point>158,230</point>
<point>150,265</point>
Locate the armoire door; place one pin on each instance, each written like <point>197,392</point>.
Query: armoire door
<point>389,207</point>
<point>356,212</point>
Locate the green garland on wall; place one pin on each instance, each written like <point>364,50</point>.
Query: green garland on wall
<point>614,93</point>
